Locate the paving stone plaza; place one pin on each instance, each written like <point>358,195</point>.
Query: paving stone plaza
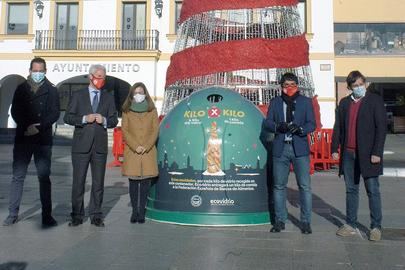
<point>122,245</point>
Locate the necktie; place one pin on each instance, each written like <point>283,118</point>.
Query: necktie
<point>94,104</point>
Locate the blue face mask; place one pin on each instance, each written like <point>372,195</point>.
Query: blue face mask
<point>37,76</point>
<point>359,92</point>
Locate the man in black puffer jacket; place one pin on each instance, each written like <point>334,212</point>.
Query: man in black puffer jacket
<point>35,108</point>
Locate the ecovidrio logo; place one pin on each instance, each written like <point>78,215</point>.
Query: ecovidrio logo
<point>222,202</point>
<point>196,201</point>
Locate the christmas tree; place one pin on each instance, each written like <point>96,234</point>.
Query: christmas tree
<point>244,45</point>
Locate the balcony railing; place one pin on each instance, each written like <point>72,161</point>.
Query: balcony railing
<point>97,40</point>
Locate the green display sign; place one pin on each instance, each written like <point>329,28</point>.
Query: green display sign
<point>212,164</point>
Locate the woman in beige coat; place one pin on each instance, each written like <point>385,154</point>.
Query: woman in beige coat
<point>140,127</point>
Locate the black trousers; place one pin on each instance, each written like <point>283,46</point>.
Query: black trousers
<point>22,154</point>
<point>81,162</point>
<point>138,192</point>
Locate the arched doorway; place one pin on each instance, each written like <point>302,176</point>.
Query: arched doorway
<point>8,85</point>
<point>117,87</point>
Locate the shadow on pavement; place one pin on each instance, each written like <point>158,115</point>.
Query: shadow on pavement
<point>321,208</point>
<point>13,266</point>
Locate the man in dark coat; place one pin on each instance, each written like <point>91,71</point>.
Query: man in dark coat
<point>35,108</point>
<point>91,111</point>
<point>291,118</point>
<point>360,130</point>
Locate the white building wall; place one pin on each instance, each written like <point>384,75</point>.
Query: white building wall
<point>165,46</point>
<point>322,26</point>
<point>323,79</point>
<point>163,25</point>
<point>44,22</point>
<point>17,67</point>
<point>16,46</point>
<point>161,81</point>
<point>325,89</point>
<point>322,52</point>
<point>99,15</point>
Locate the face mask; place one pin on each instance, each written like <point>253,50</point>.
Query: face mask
<point>359,92</point>
<point>37,77</point>
<point>290,90</point>
<point>139,98</point>
<point>99,83</point>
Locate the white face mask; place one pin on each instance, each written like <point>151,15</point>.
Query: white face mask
<point>139,98</point>
<point>37,76</point>
<point>359,91</point>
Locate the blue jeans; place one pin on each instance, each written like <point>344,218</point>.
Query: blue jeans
<point>22,154</point>
<point>281,171</point>
<point>351,171</point>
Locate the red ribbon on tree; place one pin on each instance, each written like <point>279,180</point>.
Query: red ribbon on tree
<point>193,7</point>
<point>234,55</point>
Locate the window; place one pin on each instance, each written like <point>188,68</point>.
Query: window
<point>134,36</point>
<point>134,16</point>
<point>369,38</point>
<point>177,7</point>
<point>17,21</point>
<point>66,26</point>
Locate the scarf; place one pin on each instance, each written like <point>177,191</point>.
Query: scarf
<point>33,85</point>
<point>290,106</point>
<point>139,107</point>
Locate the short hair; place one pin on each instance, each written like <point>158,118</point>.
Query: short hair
<point>288,77</point>
<point>94,68</point>
<point>37,60</point>
<point>353,77</point>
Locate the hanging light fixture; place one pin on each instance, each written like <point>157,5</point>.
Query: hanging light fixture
<point>39,7</point>
<point>159,8</point>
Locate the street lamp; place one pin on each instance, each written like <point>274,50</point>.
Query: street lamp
<point>39,7</point>
<point>159,8</point>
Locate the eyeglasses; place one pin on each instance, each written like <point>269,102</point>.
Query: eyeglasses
<point>285,85</point>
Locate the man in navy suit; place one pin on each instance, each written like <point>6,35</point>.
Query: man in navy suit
<point>291,117</point>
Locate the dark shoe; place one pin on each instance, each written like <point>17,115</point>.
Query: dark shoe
<point>134,218</point>
<point>10,220</point>
<point>98,222</point>
<point>75,222</point>
<point>278,227</point>
<point>49,221</point>
<point>306,228</point>
<point>141,221</point>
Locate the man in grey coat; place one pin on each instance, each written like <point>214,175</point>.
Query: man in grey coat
<point>91,111</point>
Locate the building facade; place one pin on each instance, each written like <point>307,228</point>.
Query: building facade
<point>134,39</point>
<point>370,36</point>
